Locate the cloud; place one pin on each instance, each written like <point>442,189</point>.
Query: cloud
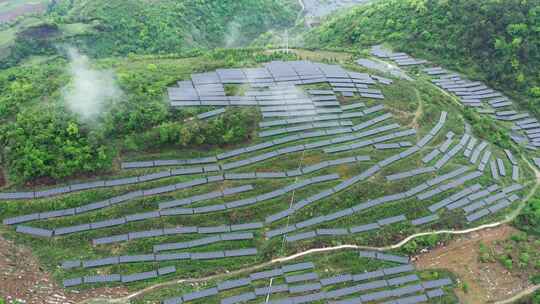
<point>90,90</point>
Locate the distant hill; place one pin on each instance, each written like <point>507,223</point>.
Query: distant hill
<point>115,28</point>
<point>11,9</point>
<point>497,41</point>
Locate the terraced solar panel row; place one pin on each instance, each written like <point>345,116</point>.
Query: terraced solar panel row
<point>176,230</point>
<point>113,201</point>
<point>122,181</point>
<point>116,260</point>
<point>317,285</point>
<point>346,184</point>
<point>119,278</point>
<point>357,208</point>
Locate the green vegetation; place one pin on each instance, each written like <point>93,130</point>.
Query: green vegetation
<point>488,128</point>
<point>529,219</point>
<point>496,41</point>
<point>103,28</point>
<point>150,46</point>
<point>520,254</point>
<point>141,126</point>
<point>41,138</point>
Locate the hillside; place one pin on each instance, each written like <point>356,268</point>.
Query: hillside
<point>118,28</point>
<point>495,41</point>
<point>12,9</point>
<point>255,167</point>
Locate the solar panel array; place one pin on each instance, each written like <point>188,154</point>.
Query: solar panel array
<point>302,284</point>
<point>526,129</point>
<point>329,129</point>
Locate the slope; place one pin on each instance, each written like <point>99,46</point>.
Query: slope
<point>117,28</point>
<point>495,41</point>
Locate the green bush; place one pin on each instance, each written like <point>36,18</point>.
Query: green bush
<point>47,142</point>
<point>507,262</point>
<point>234,126</point>
<point>524,258</point>
<point>529,219</point>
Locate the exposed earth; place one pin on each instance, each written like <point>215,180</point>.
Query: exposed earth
<point>486,282</point>
<point>22,276</point>
<point>25,281</point>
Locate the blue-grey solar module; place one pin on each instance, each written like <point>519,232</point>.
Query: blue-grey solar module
<point>367,275</point>
<point>304,288</point>
<point>435,293</point>
<point>207,255</point>
<point>111,239</point>
<point>392,258</point>
<point>323,232</point>
<point>266,274</point>
<point>172,256</point>
<point>425,220</point>
<point>71,264</point>
<point>402,280</point>
<point>213,229</point>
<point>242,298</point>
<point>136,258</point>
<point>436,283</point>
<point>34,231</point>
<point>101,278</point>
<point>392,220</point>
<point>398,269</point>
<point>21,219</point>
<point>139,276</point>
<point>398,292</point>
<point>368,254</point>
<point>412,299</point>
<point>200,294</point>
<point>107,223</point>
<point>267,290</point>
<point>231,284</point>
<point>302,277</point>
<point>101,262</point>
<point>336,279</point>
<point>364,228</point>
<point>297,267</point>
<point>73,282</point>
<point>142,216</point>
<point>166,270</point>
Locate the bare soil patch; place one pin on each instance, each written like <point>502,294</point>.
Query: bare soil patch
<point>487,282</point>
<point>22,279</point>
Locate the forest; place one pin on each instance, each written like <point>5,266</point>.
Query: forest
<point>43,141</point>
<point>103,28</point>
<point>495,41</point>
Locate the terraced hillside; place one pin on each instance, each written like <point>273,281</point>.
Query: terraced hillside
<point>342,155</point>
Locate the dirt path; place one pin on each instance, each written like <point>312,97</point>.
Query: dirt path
<point>520,295</point>
<point>486,282</point>
<point>419,111</point>
<point>22,279</point>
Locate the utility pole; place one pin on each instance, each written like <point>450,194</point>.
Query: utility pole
<point>287,41</point>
